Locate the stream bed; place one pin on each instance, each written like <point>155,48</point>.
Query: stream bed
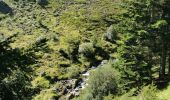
<point>82,82</point>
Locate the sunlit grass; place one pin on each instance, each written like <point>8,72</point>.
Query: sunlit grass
<point>164,94</point>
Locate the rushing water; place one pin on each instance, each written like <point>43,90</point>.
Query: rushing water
<point>85,76</point>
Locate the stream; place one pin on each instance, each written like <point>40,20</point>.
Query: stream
<point>82,83</point>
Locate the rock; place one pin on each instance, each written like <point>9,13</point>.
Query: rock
<point>77,82</point>
<point>75,93</point>
<point>76,89</point>
<point>104,62</point>
<point>70,96</point>
<point>64,91</point>
<point>69,86</point>
<point>86,74</point>
<point>93,67</point>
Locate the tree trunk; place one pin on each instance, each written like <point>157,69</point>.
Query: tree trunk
<point>163,61</point>
<point>169,64</point>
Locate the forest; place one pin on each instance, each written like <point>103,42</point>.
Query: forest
<point>84,49</point>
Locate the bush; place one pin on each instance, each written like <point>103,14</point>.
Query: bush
<point>41,40</point>
<point>110,35</point>
<point>16,86</point>
<point>109,97</point>
<point>54,37</point>
<point>70,45</point>
<point>46,95</point>
<point>51,72</point>
<point>87,49</point>
<point>73,71</point>
<point>102,82</point>
<point>40,82</point>
<point>129,95</point>
<point>148,93</point>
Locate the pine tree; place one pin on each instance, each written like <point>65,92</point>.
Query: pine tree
<point>143,31</point>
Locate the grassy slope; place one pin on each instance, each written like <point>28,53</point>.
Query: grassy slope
<point>59,21</point>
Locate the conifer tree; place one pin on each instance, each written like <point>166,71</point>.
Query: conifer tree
<point>144,34</point>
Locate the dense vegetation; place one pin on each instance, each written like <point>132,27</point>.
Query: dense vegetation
<point>46,46</point>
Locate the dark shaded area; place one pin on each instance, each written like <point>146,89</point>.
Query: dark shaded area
<point>63,53</point>
<point>4,8</point>
<point>162,83</point>
<point>15,86</point>
<point>14,67</point>
<point>100,51</point>
<point>13,59</point>
<point>39,45</point>
<point>42,2</point>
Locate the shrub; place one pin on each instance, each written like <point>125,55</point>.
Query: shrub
<point>40,82</point>
<point>70,45</point>
<point>46,95</point>
<point>101,82</point>
<point>148,93</point>
<point>87,49</point>
<point>41,40</point>
<point>51,72</point>
<point>109,97</point>
<point>54,37</point>
<point>15,86</point>
<point>129,95</point>
<point>110,35</point>
<point>73,71</point>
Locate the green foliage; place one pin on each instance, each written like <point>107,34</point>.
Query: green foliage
<point>109,97</point>
<point>13,71</point>
<point>46,95</point>
<point>159,24</point>
<point>15,85</point>
<point>164,94</point>
<point>87,49</point>
<point>58,39</point>
<point>73,71</point>
<point>71,45</point>
<point>148,93</point>
<point>51,72</point>
<point>139,39</point>
<point>40,40</point>
<point>110,35</point>
<point>40,82</point>
<point>101,82</point>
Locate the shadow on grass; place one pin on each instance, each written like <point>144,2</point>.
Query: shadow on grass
<point>14,70</point>
<point>4,8</point>
<point>162,83</point>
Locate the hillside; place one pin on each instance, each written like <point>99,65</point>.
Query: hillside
<point>84,49</point>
